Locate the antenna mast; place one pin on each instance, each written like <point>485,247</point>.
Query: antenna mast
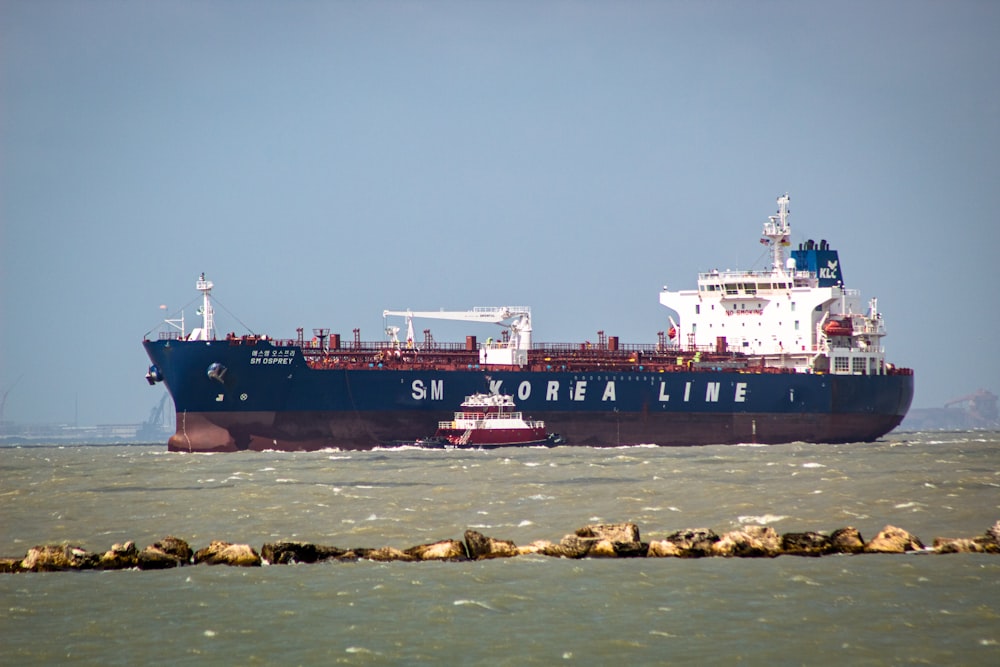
<point>207,313</point>
<point>777,232</point>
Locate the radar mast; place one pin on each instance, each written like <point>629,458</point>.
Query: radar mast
<point>777,232</point>
<point>207,313</point>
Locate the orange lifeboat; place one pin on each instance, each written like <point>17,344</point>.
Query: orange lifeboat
<point>838,327</point>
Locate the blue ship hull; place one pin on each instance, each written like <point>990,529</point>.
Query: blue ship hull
<point>231,397</point>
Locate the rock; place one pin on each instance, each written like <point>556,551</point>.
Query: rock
<point>694,542</point>
<point>480,547</point>
<point>767,536</point>
<point>688,543</point>
<point>958,545</point>
<point>542,547</point>
<point>893,540</point>
<point>283,553</point>
<point>986,543</point>
<point>54,557</point>
<point>226,553</point>
<point>992,537</point>
<point>120,557</point>
<point>154,558</point>
<point>614,532</point>
<point>806,544</point>
<point>602,549</point>
<point>750,542</point>
<point>444,550</point>
<point>176,547</point>
<point>663,549</point>
<point>571,546</point>
<point>386,554</point>
<point>8,565</point>
<point>613,540</point>
<point>631,549</point>
<point>169,552</point>
<point>847,541</point>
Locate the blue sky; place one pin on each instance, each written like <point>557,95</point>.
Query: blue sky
<point>324,161</point>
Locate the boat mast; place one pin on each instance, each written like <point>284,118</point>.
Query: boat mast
<point>207,313</point>
<point>777,232</point>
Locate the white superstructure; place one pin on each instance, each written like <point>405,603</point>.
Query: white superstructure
<point>791,316</point>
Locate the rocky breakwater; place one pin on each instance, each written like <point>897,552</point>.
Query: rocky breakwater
<point>617,540</point>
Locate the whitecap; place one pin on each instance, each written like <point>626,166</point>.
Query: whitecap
<point>475,603</point>
<point>762,519</point>
<point>805,580</point>
<point>813,465</point>
<point>903,506</point>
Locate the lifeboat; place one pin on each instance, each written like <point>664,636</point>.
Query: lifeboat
<point>838,327</point>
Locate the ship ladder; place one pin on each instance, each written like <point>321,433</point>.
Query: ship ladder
<point>464,440</point>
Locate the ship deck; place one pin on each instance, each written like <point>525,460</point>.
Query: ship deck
<point>542,357</point>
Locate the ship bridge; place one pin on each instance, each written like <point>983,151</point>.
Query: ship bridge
<point>797,314</point>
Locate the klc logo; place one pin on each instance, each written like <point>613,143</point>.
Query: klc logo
<point>830,271</point>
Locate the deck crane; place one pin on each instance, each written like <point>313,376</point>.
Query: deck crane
<point>512,352</point>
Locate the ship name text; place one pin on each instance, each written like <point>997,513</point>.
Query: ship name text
<point>605,391</point>
<point>272,357</point>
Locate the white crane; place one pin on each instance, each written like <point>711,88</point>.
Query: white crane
<point>512,352</point>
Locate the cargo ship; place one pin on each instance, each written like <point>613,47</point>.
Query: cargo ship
<point>770,356</point>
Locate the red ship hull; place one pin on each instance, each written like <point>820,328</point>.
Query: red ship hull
<point>309,431</point>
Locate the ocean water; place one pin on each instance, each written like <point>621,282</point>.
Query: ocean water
<point>530,610</point>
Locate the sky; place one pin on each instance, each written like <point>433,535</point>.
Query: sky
<point>324,161</point>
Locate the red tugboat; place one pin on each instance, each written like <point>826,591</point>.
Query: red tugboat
<point>490,420</point>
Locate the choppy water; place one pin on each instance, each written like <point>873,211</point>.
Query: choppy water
<point>871,609</point>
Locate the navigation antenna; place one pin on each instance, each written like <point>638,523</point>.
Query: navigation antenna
<point>206,311</point>
<point>777,232</point>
